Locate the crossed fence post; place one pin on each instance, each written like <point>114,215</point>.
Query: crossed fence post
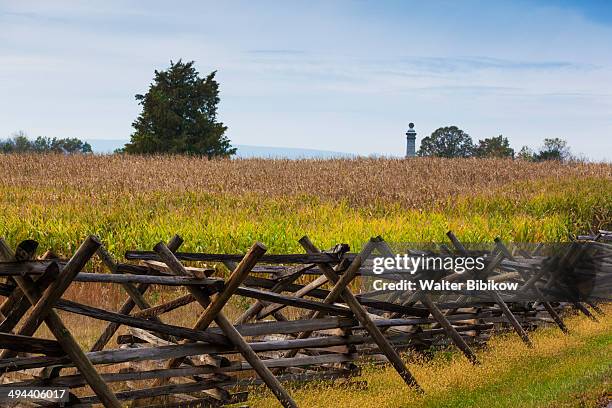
<point>549,309</point>
<point>497,259</point>
<point>42,310</point>
<point>428,302</point>
<point>340,289</point>
<point>568,258</point>
<point>213,312</point>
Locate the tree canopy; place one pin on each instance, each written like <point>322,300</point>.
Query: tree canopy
<point>553,149</point>
<point>526,154</point>
<point>179,115</point>
<point>453,142</point>
<point>447,142</point>
<point>494,147</point>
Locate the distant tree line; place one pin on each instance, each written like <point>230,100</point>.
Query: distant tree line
<point>19,143</point>
<point>453,142</point>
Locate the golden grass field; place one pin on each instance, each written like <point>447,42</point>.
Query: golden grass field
<point>226,205</point>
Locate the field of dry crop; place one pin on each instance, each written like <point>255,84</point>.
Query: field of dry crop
<point>224,205</point>
<point>415,183</point>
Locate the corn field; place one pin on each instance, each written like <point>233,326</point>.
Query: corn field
<point>224,205</point>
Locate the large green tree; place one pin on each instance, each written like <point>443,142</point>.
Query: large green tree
<point>447,142</point>
<point>494,147</point>
<point>179,115</point>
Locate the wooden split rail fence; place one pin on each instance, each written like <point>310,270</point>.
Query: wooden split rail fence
<point>306,320</point>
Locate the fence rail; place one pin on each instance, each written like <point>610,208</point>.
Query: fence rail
<point>306,320</point>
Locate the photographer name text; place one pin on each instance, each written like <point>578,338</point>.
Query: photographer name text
<point>442,285</point>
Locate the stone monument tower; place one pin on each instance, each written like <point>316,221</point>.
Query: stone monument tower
<point>411,141</point>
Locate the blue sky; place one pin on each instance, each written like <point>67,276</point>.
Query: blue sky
<point>333,75</point>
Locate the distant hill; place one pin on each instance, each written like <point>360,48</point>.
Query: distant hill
<point>106,146</point>
<point>244,151</point>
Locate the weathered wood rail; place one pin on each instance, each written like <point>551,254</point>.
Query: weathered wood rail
<point>306,321</point>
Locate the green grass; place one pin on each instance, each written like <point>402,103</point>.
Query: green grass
<point>577,372</point>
